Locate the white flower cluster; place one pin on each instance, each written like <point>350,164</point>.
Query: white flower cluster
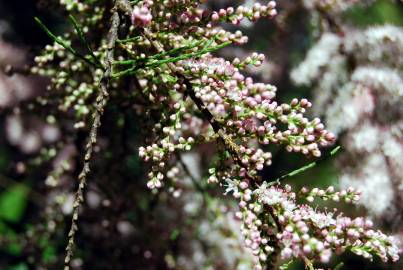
<point>318,57</point>
<point>335,6</point>
<point>359,91</point>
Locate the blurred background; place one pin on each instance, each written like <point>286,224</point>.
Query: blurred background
<point>347,58</point>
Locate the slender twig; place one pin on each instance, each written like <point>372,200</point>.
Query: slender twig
<point>187,171</point>
<point>63,43</point>
<point>309,166</point>
<point>128,39</point>
<point>308,263</point>
<point>101,102</point>
<point>81,36</point>
<point>153,64</point>
<point>159,55</point>
<point>196,184</point>
<point>271,261</point>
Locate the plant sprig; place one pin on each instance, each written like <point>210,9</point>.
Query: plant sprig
<point>307,167</point>
<point>63,43</point>
<point>150,64</point>
<point>82,38</point>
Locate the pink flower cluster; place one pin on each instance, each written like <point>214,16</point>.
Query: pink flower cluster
<point>141,15</point>
<point>235,16</point>
<point>303,232</point>
<point>242,116</point>
<point>246,111</point>
<point>349,196</point>
<point>249,111</point>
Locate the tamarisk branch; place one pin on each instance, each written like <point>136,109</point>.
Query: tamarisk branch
<point>101,102</point>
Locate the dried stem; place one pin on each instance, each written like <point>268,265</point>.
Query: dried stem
<point>101,102</point>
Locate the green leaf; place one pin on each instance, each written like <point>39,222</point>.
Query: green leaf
<point>13,203</point>
<point>49,254</point>
<point>14,248</point>
<point>168,78</point>
<point>174,234</point>
<point>21,266</point>
<point>339,266</point>
<point>286,265</point>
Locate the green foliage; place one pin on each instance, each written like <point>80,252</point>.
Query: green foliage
<point>13,203</point>
<point>66,44</point>
<point>21,266</point>
<point>381,12</point>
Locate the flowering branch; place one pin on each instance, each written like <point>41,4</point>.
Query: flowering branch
<point>195,97</point>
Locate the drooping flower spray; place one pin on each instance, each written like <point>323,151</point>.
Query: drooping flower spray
<point>159,56</point>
